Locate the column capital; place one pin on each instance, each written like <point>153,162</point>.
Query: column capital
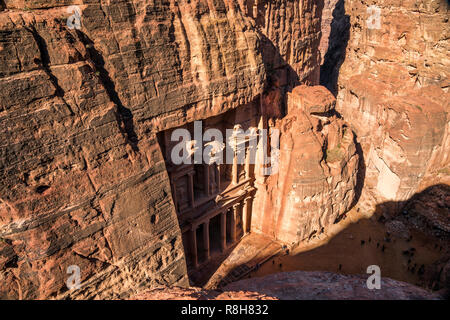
<point>248,198</point>
<point>237,205</point>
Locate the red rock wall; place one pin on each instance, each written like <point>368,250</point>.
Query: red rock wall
<point>335,35</point>
<point>393,89</point>
<point>298,285</point>
<point>293,27</point>
<point>83,180</point>
<point>327,19</point>
<point>317,175</point>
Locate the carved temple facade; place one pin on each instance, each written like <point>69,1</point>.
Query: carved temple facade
<point>213,201</point>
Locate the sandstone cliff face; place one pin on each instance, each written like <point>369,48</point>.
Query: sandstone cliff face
<point>317,173</point>
<point>335,35</point>
<point>393,90</point>
<point>294,31</point>
<point>83,180</point>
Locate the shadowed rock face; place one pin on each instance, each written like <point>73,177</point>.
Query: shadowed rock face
<point>428,212</point>
<point>83,180</point>
<point>393,89</point>
<point>335,35</point>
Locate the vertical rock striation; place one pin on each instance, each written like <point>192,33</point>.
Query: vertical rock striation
<point>317,172</point>
<point>393,89</point>
<point>327,20</point>
<point>83,181</point>
<point>82,178</point>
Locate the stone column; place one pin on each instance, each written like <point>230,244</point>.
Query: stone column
<point>251,153</point>
<point>206,239</point>
<point>191,189</point>
<point>236,144</point>
<point>223,230</point>
<point>246,215</point>
<point>194,246</point>
<point>217,168</point>
<point>206,173</point>
<point>234,169</point>
<point>259,165</point>
<point>247,164</point>
<point>234,215</point>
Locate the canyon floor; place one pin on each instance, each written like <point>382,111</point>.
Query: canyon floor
<point>353,244</point>
<point>347,247</point>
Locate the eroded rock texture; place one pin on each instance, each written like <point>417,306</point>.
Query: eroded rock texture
<point>335,36</point>
<point>291,33</point>
<point>318,169</point>
<point>393,90</point>
<point>82,177</point>
<point>300,285</point>
<point>327,19</point>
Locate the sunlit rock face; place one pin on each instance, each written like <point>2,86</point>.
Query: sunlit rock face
<point>393,90</point>
<point>83,181</point>
<point>298,285</point>
<point>335,35</point>
<point>317,174</point>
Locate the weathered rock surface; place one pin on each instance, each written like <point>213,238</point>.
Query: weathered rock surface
<point>335,35</point>
<point>82,177</point>
<point>317,174</point>
<point>327,19</point>
<point>299,285</point>
<point>291,34</point>
<point>393,90</point>
<point>194,293</point>
<point>429,213</point>
<point>304,285</point>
